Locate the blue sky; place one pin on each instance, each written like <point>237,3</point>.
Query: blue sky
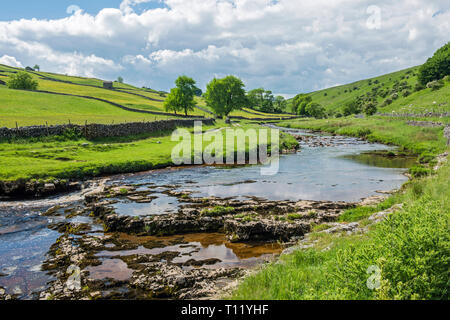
<point>287,46</point>
<point>57,9</point>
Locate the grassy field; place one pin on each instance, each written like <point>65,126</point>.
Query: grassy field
<point>34,108</point>
<point>410,249</point>
<point>15,108</point>
<point>78,158</point>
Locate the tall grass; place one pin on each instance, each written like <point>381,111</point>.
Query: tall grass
<point>411,250</point>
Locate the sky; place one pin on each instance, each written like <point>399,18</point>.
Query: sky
<point>287,46</point>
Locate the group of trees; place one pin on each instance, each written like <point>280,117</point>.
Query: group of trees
<point>222,95</point>
<point>303,105</point>
<point>264,100</point>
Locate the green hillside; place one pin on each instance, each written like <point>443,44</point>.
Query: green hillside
<point>399,87</point>
<point>40,107</point>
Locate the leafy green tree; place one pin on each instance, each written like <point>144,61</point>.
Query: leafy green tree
<point>300,102</point>
<point>181,98</point>
<point>225,95</point>
<point>187,91</point>
<point>436,67</point>
<point>256,98</point>
<point>351,108</point>
<point>315,110</point>
<point>280,104</point>
<point>120,80</point>
<point>22,81</point>
<point>36,67</point>
<point>268,102</point>
<point>173,102</point>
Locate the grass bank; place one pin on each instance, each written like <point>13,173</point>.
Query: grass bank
<point>404,257</point>
<point>74,157</point>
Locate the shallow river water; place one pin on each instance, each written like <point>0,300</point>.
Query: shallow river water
<point>340,172</point>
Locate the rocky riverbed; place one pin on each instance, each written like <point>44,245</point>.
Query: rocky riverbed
<point>161,235</point>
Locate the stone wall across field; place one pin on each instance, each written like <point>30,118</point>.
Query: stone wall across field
<point>415,115</point>
<point>101,130</point>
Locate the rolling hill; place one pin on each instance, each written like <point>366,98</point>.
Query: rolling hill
<point>62,98</point>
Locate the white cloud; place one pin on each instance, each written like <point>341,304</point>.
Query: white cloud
<point>10,61</point>
<point>287,45</point>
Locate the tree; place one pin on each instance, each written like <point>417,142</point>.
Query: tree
<point>173,101</point>
<point>436,67</point>
<point>280,104</point>
<point>300,102</point>
<point>268,101</point>
<point>256,98</point>
<point>22,81</point>
<point>351,107</point>
<point>225,95</point>
<point>120,80</point>
<point>315,110</point>
<point>36,67</point>
<point>187,91</point>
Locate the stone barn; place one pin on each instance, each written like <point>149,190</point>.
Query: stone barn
<point>108,84</point>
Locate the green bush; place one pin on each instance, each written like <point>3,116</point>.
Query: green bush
<point>370,108</point>
<point>435,85</point>
<point>22,81</point>
<point>437,67</point>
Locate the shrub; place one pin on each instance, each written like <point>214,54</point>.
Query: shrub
<point>436,67</point>
<point>419,87</point>
<point>394,96</point>
<point>435,85</point>
<point>387,102</point>
<point>22,81</point>
<point>406,93</point>
<point>370,108</point>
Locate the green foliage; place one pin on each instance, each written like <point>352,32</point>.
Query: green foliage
<point>370,108</point>
<point>225,95</point>
<point>22,81</point>
<point>410,249</point>
<point>315,110</point>
<point>120,80</point>
<point>435,85</point>
<point>419,171</point>
<point>436,67</point>
<point>300,102</point>
<point>351,107</point>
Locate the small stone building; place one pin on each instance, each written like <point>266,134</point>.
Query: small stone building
<point>107,84</point>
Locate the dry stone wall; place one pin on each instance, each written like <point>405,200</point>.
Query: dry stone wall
<point>100,130</point>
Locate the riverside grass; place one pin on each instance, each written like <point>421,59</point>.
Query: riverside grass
<point>411,248</point>
<point>73,157</point>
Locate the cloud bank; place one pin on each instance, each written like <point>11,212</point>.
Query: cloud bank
<point>288,46</point>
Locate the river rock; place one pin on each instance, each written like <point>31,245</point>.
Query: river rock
<point>265,229</point>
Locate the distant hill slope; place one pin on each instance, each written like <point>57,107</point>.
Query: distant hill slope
<point>383,87</point>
